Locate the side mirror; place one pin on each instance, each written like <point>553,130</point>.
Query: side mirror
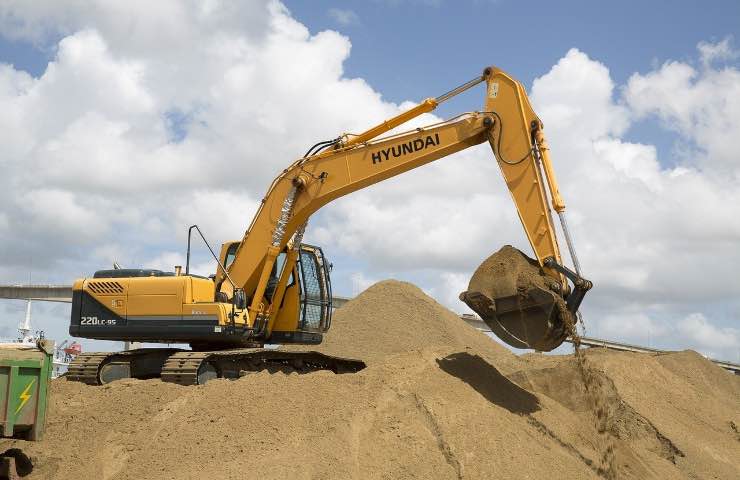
<point>240,300</point>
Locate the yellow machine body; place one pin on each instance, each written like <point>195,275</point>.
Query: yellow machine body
<point>269,286</point>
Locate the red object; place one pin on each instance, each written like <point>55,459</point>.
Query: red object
<point>74,349</point>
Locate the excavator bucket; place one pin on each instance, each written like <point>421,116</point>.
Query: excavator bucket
<point>513,297</point>
<point>531,320</point>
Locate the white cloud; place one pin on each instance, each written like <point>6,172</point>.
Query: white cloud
<point>221,215</point>
<point>574,100</point>
<point>631,160</point>
<point>64,214</point>
<point>701,332</point>
<point>692,331</point>
<point>167,261</point>
<point>448,288</point>
<point>343,17</point>
<point>702,106</point>
<point>631,325</point>
<point>711,52</point>
<point>631,211</point>
<point>89,142</point>
<point>361,282</point>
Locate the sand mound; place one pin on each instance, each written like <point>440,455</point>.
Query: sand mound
<point>438,400</point>
<point>394,317</point>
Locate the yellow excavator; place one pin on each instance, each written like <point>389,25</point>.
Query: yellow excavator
<point>271,288</point>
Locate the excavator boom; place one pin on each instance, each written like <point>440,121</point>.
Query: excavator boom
<point>270,287</point>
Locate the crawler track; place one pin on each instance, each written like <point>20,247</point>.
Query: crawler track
<point>195,368</point>
<point>84,368</point>
<point>182,368</point>
<point>97,368</point>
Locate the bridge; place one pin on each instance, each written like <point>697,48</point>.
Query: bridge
<point>41,293</point>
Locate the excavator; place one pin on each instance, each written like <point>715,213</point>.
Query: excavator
<point>271,288</point>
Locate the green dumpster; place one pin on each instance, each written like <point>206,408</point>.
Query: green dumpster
<point>25,372</point>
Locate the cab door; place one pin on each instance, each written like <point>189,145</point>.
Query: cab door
<point>315,296</point>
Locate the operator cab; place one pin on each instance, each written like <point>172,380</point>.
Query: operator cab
<point>305,311</point>
<point>315,296</point>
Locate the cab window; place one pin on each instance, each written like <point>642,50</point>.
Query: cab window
<point>278,268</point>
<point>230,254</point>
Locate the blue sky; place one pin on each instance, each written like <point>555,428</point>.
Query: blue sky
<point>137,88</point>
<point>402,46</point>
<point>413,49</point>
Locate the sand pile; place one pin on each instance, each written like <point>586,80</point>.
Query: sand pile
<point>394,317</point>
<point>438,400</point>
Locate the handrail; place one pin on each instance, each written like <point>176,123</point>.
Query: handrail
<point>187,261</point>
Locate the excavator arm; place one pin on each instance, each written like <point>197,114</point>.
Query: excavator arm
<point>353,162</point>
<point>270,287</point>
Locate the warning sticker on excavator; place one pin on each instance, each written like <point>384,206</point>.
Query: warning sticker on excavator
<point>493,93</point>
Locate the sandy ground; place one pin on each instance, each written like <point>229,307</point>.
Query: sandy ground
<point>438,400</point>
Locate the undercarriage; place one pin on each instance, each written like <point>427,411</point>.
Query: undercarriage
<point>187,367</point>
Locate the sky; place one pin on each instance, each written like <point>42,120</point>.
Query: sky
<point>124,123</point>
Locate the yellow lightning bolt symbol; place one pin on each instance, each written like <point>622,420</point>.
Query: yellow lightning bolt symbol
<point>25,396</point>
